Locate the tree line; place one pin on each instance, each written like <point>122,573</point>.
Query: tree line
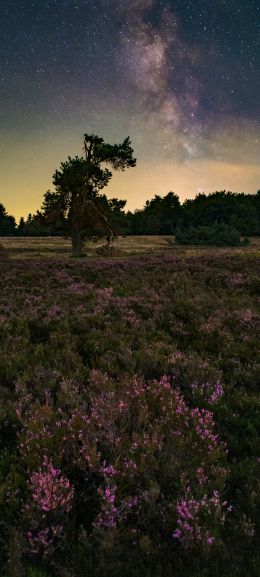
<point>159,216</point>
<point>78,208</point>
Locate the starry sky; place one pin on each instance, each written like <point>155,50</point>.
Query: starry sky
<point>180,77</point>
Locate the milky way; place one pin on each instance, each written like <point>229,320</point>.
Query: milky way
<point>181,78</point>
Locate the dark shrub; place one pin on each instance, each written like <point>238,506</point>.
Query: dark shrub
<point>215,235</point>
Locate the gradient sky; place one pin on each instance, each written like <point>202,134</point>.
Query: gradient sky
<point>180,77</point>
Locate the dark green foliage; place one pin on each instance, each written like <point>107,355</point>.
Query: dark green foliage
<point>7,223</point>
<point>212,235</point>
<point>76,209</point>
<point>238,210</point>
<point>114,211</point>
<point>78,183</point>
<point>159,216</point>
<point>33,227</point>
<point>164,216</point>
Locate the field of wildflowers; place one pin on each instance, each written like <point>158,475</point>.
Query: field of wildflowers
<point>129,415</point>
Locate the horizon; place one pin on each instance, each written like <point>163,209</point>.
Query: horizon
<point>126,209</point>
<point>180,78</point>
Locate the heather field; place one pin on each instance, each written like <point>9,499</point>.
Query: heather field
<point>129,410</point>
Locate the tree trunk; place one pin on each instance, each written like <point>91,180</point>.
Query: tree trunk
<point>77,244</point>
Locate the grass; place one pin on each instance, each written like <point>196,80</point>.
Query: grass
<point>27,247</point>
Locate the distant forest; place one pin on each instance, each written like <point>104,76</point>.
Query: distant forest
<point>159,216</point>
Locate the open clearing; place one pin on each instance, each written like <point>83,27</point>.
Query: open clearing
<point>55,246</point>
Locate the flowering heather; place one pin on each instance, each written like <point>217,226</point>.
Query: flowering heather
<point>50,489</point>
<point>107,516</point>
<point>129,416</point>
<point>194,517</point>
<point>211,393</point>
<point>246,317</point>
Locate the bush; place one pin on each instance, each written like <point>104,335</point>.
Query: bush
<point>128,417</point>
<point>215,235</point>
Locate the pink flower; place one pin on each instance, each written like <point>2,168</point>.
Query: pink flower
<point>210,540</point>
<point>50,489</point>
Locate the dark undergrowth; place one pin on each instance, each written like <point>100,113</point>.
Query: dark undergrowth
<point>129,417</point>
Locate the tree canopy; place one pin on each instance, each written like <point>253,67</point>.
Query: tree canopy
<point>78,183</point>
<point>7,223</point>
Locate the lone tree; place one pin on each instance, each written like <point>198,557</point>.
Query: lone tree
<point>78,182</point>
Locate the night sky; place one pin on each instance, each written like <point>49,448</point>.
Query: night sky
<point>180,77</point>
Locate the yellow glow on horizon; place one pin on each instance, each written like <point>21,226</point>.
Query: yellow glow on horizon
<point>22,190</point>
<point>186,180</point>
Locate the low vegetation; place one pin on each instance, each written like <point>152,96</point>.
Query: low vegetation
<point>129,415</point>
<point>214,235</point>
